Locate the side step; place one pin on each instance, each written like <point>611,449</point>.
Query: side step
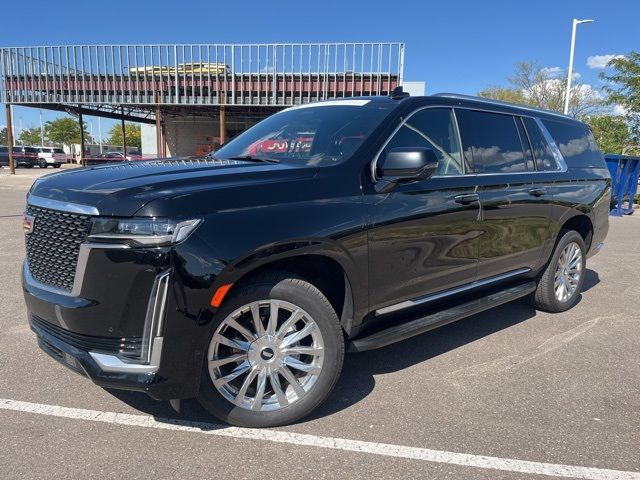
<point>438,319</point>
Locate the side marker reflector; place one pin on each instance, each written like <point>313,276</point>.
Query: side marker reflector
<point>221,292</point>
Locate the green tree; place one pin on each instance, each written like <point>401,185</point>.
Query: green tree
<point>611,133</point>
<point>65,131</point>
<point>533,85</point>
<point>623,87</point>
<point>505,94</point>
<point>132,130</point>
<point>3,136</point>
<point>30,136</point>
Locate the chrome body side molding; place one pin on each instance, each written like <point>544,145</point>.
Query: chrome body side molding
<point>452,291</point>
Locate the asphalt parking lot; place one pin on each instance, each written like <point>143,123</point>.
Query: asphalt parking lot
<point>510,393</point>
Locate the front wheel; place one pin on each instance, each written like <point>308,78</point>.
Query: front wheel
<point>275,354</point>
<point>42,163</point>
<point>562,279</point>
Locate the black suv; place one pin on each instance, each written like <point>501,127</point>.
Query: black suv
<point>242,278</point>
<point>22,156</point>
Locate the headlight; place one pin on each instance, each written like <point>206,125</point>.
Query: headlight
<point>143,231</point>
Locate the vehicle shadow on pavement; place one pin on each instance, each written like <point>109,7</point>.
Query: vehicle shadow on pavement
<point>358,375</point>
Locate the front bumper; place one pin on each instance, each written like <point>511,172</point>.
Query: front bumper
<point>136,298</point>
<point>84,363</point>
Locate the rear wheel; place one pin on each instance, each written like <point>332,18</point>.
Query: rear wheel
<point>275,354</point>
<point>56,165</point>
<point>561,281</point>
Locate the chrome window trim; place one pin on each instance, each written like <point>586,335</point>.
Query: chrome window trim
<point>556,151</point>
<point>81,267</point>
<point>451,291</point>
<point>61,205</point>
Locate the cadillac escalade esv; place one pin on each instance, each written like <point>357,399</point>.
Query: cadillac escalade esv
<point>242,278</point>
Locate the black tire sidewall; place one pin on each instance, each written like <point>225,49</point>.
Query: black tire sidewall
<point>305,296</point>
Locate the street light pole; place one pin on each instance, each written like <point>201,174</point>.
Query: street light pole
<point>41,131</point>
<point>576,22</point>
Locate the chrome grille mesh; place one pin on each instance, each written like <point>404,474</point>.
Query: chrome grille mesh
<point>53,246</point>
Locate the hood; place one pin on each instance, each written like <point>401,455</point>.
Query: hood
<point>123,189</point>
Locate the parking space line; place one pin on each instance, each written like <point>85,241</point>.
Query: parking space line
<point>357,446</point>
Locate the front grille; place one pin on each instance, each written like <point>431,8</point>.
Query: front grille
<point>53,246</point>
<point>130,347</point>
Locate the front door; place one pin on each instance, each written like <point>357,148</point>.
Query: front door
<point>424,235</point>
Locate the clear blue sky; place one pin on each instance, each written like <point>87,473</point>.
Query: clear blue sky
<point>454,46</point>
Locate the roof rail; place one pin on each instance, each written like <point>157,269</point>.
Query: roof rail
<point>491,101</point>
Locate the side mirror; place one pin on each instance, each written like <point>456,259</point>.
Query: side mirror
<point>403,164</point>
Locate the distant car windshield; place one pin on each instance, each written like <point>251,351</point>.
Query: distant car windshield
<point>319,134</point>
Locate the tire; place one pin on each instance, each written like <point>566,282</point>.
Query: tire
<point>42,163</point>
<point>56,165</point>
<point>324,341</point>
<point>549,295</point>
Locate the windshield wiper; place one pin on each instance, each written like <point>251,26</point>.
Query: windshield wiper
<point>251,158</point>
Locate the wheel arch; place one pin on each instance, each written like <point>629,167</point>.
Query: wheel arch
<point>325,265</point>
<point>580,223</point>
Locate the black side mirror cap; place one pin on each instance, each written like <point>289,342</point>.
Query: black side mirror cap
<point>408,163</point>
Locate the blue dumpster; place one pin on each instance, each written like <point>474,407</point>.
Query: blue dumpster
<point>625,171</point>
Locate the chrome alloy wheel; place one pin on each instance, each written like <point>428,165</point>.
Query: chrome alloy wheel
<point>266,355</point>
<point>568,272</point>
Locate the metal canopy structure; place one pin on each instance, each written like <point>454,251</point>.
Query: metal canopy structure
<point>274,75</point>
<point>148,83</point>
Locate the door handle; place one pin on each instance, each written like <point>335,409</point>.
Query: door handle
<point>538,191</point>
<point>467,198</point>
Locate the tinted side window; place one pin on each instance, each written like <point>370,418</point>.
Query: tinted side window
<point>542,152</point>
<point>491,142</point>
<point>526,145</point>
<point>576,143</point>
<point>4,149</point>
<point>431,128</point>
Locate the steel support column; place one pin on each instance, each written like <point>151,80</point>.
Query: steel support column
<point>124,134</point>
<point>158,132</point>
<point>12,165</point>
<point>83,161</point>
<point>223,125</point>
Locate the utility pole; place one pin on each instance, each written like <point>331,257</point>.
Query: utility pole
<point>41,130</point>
<point>83,161</point>
<point>576,22</point>
<point>100,133</point>
<point>12,165</point>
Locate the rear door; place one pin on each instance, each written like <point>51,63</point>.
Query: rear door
<point>515,212</point>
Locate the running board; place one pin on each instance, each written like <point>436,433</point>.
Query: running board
<point>438,319</point>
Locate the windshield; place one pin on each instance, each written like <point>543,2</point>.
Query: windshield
<point>321,134</point>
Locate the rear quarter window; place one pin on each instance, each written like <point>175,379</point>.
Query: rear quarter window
<point>576,143</point>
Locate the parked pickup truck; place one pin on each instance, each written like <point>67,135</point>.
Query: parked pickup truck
<point>241,279</point>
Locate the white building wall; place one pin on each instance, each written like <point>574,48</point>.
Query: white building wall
<point>149,139</point>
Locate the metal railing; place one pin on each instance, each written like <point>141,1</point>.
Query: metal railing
<point>243,74</point>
